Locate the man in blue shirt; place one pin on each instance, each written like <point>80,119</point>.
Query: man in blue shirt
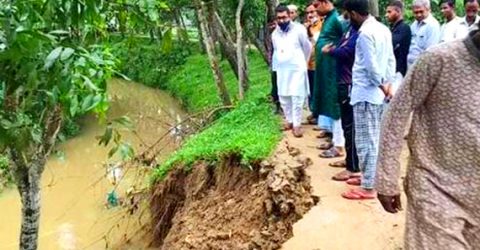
<point>372,74</point>
<point>401,35</point>
<point>425,30</point>
<point>345,55</point>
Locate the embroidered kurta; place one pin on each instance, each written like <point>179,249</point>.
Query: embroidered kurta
<point>325,97</point>
<point>443,177</point>
<point>291,50</point>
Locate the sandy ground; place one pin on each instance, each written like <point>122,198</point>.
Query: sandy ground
<point>337,223</point>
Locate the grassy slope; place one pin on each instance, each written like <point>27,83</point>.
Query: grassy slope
<point>250,130</point>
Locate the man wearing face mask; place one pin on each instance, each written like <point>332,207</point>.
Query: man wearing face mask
<point>425,30</point>
<point>314,26</point>
<point>291,51</point>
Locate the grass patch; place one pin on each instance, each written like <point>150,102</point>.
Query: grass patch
<point>250,131</point>
<point>193,84</point>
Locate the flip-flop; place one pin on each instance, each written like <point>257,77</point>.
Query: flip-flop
<point>325,146</point>
<point>342,176</point>
<point>331,153</point>
<point>324,134</point>
<point>338,164</point>
<point>355,181</point>
<point>359,195</point>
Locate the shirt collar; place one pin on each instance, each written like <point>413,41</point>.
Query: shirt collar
<point>472,48</point>
<point>429,19</point>
<point>369,20</point>
<point>464,20</point>
<point>395,25</point>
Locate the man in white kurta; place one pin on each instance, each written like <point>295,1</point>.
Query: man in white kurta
<point>291,50</point>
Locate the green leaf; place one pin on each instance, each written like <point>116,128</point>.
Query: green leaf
<point>67,53</point>
<point>89,83</point>
<point>126,151</point>
<point>86,103</point>
<point>124,121</point>
<point>52,57</point>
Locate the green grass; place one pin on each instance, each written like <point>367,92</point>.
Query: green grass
<point>250,131</point>
<point>193,84</point>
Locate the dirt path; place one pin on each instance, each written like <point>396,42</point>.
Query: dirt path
<point>336,223</point>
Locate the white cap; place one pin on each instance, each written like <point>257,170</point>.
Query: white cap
<point>292,7</point>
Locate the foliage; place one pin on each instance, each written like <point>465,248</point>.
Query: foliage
<point>46,69</point>
<point>250,131</point>
<point>5,175</point>
<point>148,62</point>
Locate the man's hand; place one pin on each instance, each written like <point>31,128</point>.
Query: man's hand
<point>391,204</point>
<point>387,91</point>
<point>327,48</point>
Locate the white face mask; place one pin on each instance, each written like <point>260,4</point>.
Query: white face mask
<point>314,19</point>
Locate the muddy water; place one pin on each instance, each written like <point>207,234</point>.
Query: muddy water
<point>75,186</point>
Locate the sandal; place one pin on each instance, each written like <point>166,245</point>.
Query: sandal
<point>338,164</point>
<point>325,146</point>
<point>342,176</point>
<point>359,195</point>
<point>287,126</point>
<point>297,132</point>
<point>324,134</point>
<point>355,181</point>
<point>331,153</point>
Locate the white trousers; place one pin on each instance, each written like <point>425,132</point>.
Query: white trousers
<point>338,139</point>
<point>293,109</point>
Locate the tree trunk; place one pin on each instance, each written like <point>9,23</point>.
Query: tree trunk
<point>242,81</point>
<point>200,33</point>
<point>27,171</point>
<point>227,46</point>
<point>30,195</point>
<point>373,8</point>
<point>271,5</point>
<point>210,48</point>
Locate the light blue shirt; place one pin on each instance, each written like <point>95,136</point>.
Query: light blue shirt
<point>425,34</point>
<point>374,63</point>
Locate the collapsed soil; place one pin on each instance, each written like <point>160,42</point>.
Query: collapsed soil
<point>229,206</point>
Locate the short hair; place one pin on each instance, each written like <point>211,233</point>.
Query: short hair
<point>292,7</point>
<point>450,3</point>
<point>470,1</point>
<point>313,2</point>
<point>281,8</point>
<point>422,3</point>
<point>359,6</point>
<point>397,4</point>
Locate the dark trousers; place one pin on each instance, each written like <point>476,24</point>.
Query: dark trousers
<point>348,128</point>
<point>274,92</point>
<point>311,82</point>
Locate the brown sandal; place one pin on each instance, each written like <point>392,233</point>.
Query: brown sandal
<point>325,146</point>
<point>297,132</point>
<point>338,164</point>
<point>324,134</point>
<point>331,153</point>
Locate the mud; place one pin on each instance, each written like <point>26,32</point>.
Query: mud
<point>229,206</point>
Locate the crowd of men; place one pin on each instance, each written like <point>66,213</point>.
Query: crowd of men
<point>348,68</point>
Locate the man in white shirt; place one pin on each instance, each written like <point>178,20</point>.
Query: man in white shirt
<point>471,16</point>
<point>372,74</point>
<point>452,29</point>
<point>293,11</point>
<point>291,51</point>
<point>425,30</point>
